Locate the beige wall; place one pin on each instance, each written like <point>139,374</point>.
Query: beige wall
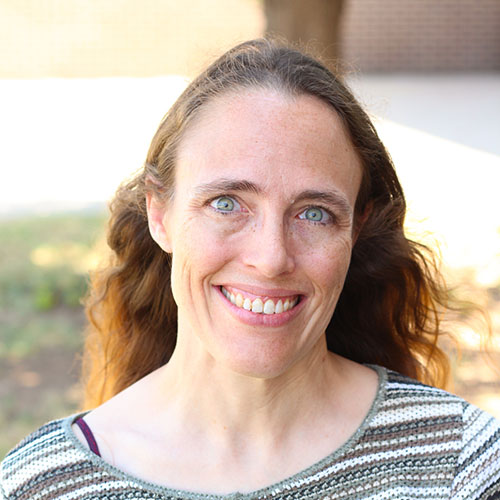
<point>422,35</point>
<point>90,38</point>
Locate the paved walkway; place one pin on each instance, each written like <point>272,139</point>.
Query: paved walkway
<point>463,108</point>
<point>68,143</point>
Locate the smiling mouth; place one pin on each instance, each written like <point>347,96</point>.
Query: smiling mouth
<point>264,305</point>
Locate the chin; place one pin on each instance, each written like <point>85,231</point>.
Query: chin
<point>267,363</point>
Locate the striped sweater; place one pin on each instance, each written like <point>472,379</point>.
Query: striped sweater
<point>417,442</point>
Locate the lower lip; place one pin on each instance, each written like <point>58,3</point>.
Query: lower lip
<point>261,319</point>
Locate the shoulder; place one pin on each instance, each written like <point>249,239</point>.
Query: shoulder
<point>43,460</point>
<point>51,463</point>
<point>446,425</point>
<point>478,467</point>
<point>407,398</point>
<point>408,401</point>
<point>35,459</point>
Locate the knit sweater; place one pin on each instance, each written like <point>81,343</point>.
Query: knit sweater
<point>417,442</point>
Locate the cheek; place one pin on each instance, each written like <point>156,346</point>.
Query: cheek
<point>199,249</point>
<point>327,261</point>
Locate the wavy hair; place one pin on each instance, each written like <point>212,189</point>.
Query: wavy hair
<point>393,299</point>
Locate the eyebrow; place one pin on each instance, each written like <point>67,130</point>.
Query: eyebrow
<point>227,185</point>
<point>330,197</point>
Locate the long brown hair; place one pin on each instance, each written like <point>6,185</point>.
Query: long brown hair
<point>390,308</point>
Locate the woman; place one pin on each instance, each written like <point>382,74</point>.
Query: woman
<point>262,298</point>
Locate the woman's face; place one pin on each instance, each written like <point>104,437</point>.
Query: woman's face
<point>260,229</point>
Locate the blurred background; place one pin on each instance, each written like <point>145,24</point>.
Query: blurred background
<point>84,84</point>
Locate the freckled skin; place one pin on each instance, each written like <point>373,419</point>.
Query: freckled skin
<point>285,145</point>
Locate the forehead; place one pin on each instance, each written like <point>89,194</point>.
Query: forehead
<point>279,140</point>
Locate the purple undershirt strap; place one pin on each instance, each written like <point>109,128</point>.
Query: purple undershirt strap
<point>88,436</point>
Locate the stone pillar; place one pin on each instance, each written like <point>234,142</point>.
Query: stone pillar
<point>305,21</point>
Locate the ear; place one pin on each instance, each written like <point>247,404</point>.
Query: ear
<point>157,221</point>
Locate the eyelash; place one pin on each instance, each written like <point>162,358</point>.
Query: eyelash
<point>331,216</point>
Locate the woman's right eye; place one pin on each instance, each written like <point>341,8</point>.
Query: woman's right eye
<point>225,204</point>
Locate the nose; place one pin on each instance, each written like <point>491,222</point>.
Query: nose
<point>268,248</point>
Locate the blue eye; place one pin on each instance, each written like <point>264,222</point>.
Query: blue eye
<point>225,204</point>
<point>315,214</point>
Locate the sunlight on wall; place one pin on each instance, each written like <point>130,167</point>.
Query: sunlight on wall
<point>92,38</point>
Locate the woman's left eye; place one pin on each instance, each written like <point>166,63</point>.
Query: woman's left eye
<point>225,204</point>
<point>315,214</point>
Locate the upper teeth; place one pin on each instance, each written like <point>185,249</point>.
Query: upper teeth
<point>258,305</point>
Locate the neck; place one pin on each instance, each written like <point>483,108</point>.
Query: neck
<point>241,409</point>
<point>216,422</point>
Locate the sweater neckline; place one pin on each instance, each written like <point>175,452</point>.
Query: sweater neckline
<point>295,480</point>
